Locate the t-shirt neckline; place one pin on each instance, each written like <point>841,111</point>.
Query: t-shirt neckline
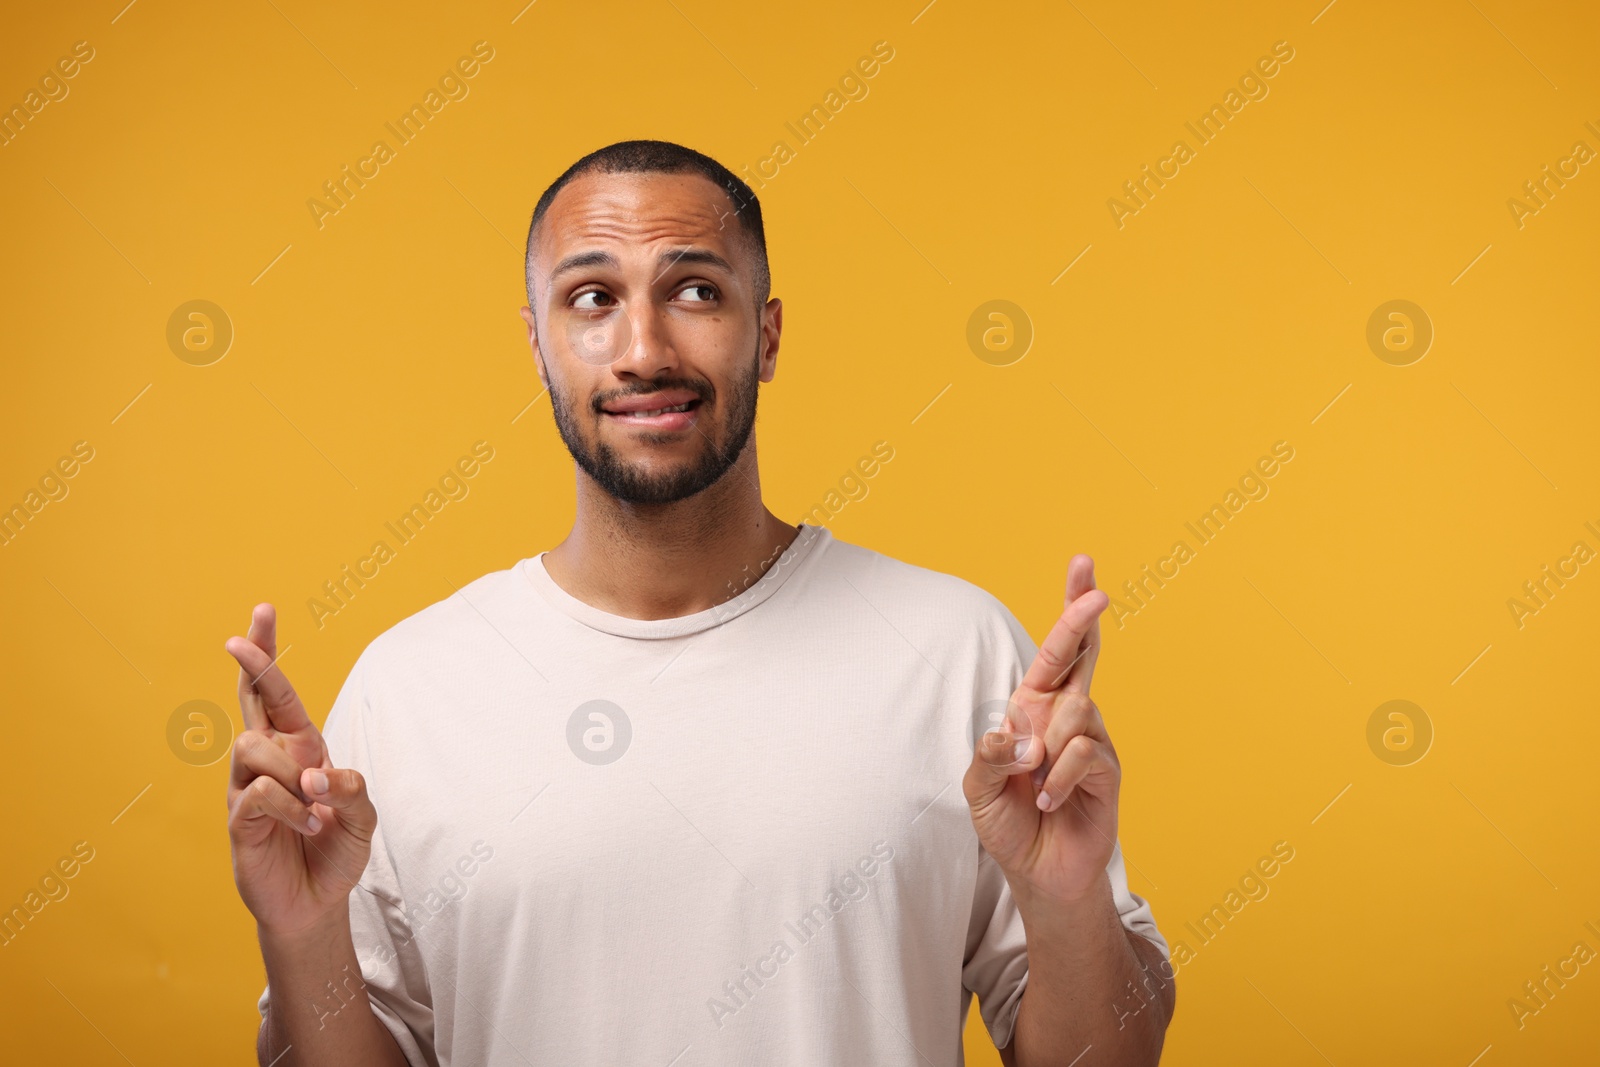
<point>806,545</point>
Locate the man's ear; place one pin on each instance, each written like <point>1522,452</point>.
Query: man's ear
<point>533,343</point>
<point>771,332</point>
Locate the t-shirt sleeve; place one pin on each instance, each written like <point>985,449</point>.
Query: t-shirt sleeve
<point>392,971</point>
<point>996,964</point>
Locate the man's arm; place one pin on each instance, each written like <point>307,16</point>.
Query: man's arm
<point>318,1004</point>
<point>1043,792</point>
<point>1092,985</point>
<point>301,832</point>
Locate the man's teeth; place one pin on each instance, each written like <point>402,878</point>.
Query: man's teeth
<point>661,411</point>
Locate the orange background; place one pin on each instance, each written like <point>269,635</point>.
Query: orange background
<point>1229,313</point>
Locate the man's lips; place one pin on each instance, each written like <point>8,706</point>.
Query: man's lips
<point>672,409</point>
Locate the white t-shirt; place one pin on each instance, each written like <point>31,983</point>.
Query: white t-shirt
<point>738,836</point>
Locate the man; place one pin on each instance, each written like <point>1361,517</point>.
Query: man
<point>683,789</point>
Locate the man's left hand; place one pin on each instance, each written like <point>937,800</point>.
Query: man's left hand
<point>1053,841</point>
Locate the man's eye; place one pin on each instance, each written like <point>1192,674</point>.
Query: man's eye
<point>697,293</point>
<point>593,300</point>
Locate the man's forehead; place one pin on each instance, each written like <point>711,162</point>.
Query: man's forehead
<point>637,208</point>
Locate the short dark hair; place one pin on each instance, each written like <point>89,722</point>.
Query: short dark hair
<point>663,157</point>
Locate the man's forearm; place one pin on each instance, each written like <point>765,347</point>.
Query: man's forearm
<point>318,1003</point>
<point>1091,983</point>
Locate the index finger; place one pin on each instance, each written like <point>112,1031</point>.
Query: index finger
<point>263,634</point>
<point>266,698</point>
<point>1068,652</point>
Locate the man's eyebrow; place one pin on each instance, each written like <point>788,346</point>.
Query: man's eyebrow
<point>673,257</point>
<point>583,259</point>
<point>667,260</point>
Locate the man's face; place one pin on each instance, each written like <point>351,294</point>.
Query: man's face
<point>643,298</point>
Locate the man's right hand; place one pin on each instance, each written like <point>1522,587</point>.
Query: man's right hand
<point>301,829</point>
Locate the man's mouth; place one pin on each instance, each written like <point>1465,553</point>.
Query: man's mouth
<point>674,410</point>
<point>661,411</point>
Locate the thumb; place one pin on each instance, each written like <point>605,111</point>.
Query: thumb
<point>344,791</point>
<point>999,754</point>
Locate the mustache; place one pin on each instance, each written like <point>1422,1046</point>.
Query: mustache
<point>699,388</point>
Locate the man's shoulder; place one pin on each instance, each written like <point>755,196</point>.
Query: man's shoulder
<point>480,607</point>
<point>945,597</point>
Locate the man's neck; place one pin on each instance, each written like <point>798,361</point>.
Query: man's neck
<point>668,560</point>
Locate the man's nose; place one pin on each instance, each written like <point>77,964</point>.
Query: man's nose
<point>648,350</point>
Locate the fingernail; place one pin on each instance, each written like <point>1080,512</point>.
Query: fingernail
<point>319,782</point>
<point>1044,801</point>
<point>313,823</point>
<point>1020,750</point>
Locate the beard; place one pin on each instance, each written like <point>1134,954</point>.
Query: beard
<point>631,485</point>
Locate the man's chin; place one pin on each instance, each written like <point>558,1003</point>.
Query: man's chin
<point>654,494</point>
<point>653,482</point>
